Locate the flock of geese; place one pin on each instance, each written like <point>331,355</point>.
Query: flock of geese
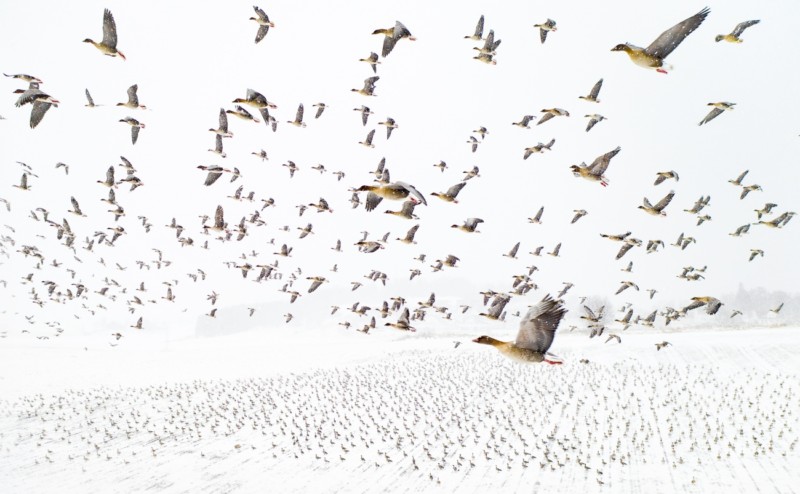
<point>54,281</point>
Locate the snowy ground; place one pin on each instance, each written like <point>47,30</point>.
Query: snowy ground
<point>718,411</point>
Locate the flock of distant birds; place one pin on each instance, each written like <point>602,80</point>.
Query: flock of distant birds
<point>537,327</point>
<point>424,420</point>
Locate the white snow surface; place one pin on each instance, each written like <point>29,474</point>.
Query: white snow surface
<point>279,411</point>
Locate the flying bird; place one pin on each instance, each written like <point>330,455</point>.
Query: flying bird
<point>718,109</point>
<point>546,27</point>
<point>596,171</point>
<point>478,34</point>
<point>372,60</point>
<point>594,93</point>
<point>135,126</point>
<point>392,35</point>
<point>133,99</point>
<point>735,35</point>
<point>658,209</point>
<point>536,333</point>
<point>263,22</point>
<point>653,56</point>
<point>109,44</point>
<point>369,88</point>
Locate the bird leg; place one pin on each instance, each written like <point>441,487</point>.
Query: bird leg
<point>553,362</point>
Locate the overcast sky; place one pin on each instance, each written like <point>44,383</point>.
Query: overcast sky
<point>191,59</point>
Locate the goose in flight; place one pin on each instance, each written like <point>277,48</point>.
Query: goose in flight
<point>369,87</point>
<point>392,35</point>
<point>536,333</point>
<point>394,191</point>
<point>109,44</point>
<point>718,109</point>
<point>546,27</point>
<point>735,35</point>
<point>372,60</point>
<point>135,126</point>
<point>596,171</point>
<point>133,99</point>
<point>478,34</point>
<point>594,93</point>
<point>653,56</point>
<point>263,23</point>
<point>402,322</point>
<point>452,192</point>
<point>658,209</point>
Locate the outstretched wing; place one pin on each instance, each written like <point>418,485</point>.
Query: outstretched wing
<point>665,201</point>
<point>672,37</point>
<point>600,164</point>
<point>739,29</point>
<point>109,29</point>
<point>714,113</point>
<point>372,201</point>
<point>538,327</point>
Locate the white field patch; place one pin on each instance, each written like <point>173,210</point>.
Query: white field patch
<point>269,412</point>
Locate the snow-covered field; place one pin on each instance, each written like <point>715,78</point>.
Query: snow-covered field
<point>717,411</point>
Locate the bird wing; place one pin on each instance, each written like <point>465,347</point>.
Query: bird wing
<point>472,223</point>
<point>223,120</point>
<point>498,304</point>
<point>600,164</point>
<point>622,250</point>
<point>513,251</point>
<point>592,122</point>
<point>672,37</point>
<point>739,29</point>
<point>455,189</point>
<point>694,305</point>
<point>133,99</point>
<point>408,208</point>
<point>370,136</point>
<point>479,28</point>
<point>212,177</point>
<point>134,134</point>
<point>75,205</point>
<point>411,232</point>
<point>109,29</point>
<point>89,98</point>
<point>596,89</point>
<point>38,111</point>
<point>487,45</point>
<point>542,34</point>
<point>262,31</point>
<point>299,116</point>
<point>714,113</point>
<point>314,286</point>
<point>547,116</point>
<point>388,45</point>
<point>219,220</point>
<point>260,13</point>
<point>413,191</point>
<point>372,201</point>
<point>538,328</point>
<point>320,109</point>
<point>665,201</point>
<point>713,306</point>
<point>659,179</point>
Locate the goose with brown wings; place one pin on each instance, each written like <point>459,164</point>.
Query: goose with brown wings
<point>536,333</point>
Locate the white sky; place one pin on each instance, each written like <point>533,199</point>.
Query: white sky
<point>191,59</point>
